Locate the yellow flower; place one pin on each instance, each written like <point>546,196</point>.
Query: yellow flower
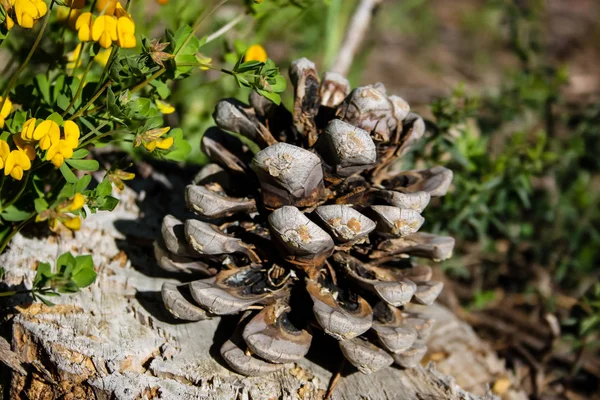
<point>256,53</point>
<point>72,133</point>
<point>73,57</point>
<point>107,7</point>
<point>17,162</point>
<point>77,202</point>
<point>48,133</point>
<point>5,112</point>
<point>28,11</point>
<point>28,129</point>
<point>9,22</point>
<point>4,152</point>
<point>165,107</point>
<point>117,177</point>
<point>125,28</point>
<point>59,152</point>
<point>73,223</point>
<point>102,57</point>
<point>151,139</point>
<point>26,147</point>
<point>104,30</point>
<point>68,16</point>
<point>84,26</point>
<point>162,2</point>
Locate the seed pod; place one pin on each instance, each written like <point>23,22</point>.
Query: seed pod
<point>341,319</point>
<point>416,201</point>
<point>207,239</point>
<point>174,263</point>
<point>272,337</point>
<point>364,355</point>
<point>262,106</point>
<point>289,175</point>
<point>231,291</point>
<point>427,292</point>
<point>417,274</point>
<point>387,283</point>
<point>306,98</point>
<point>434,181</point>
<point>437,248</point>
<point>348,145</point>
<point>391,329</point>
<point>411,357</point>
<point>420,322</point>
<point>212,173</point>
<point>234,116</point>
<point>179,306</point>
<point>172,231</point>
<point>369,108</point>
<point>334,89</point>
<point>396,221</point>
<point>344,223</point>
<point>299,236</point>
<point>209,201</point>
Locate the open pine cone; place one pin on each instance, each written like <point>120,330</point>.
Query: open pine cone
<point>314,231</point>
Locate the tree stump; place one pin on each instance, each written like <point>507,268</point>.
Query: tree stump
<point>115,340</point>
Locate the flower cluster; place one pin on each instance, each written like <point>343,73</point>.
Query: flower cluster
<point>26,12</point>
<point>113,25</point>
<point>64,213</point>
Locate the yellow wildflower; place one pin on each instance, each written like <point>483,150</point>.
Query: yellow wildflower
<point>26,147</point>
<point>107,7</point>
<point>59,152</point>
<point>151,139</point>
<point>206,61</point>
<point>102,57</point>
<point>162,2</point>
<point>16,162</point>
<point>164,107</point>
<point>72,133</point>
<point>9,22</point>
<point>163,144</point>
<point>125,28</point>
<point>256,53</point>
<point>28,11</point>
<point>117,177</point>
<point>28,129</point>
<point>48,133</point>
<point>4,152</point>
<point>73,223</point>
<point>68,16</point>
<point>5,112</point>
<point>77,202</point>
<point>104,30</point>
<point>74,57</point>
<point>84,26</point>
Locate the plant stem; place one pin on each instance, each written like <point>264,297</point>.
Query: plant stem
<point>101,136</point>
<point>14,78</point>
<point>80,87</point>
<point>15,230</point>
<point>147,81</point>
<point>19,193</point>
<point>225,28</point>
<point>92,100</point>
<point>197,24</point>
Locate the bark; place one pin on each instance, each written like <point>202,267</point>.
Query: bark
<point>115,340</point>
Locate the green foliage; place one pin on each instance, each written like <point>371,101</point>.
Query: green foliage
<point>69,276</point>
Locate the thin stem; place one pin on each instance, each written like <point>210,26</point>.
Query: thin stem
<point>225,28</point>
<point>110,133</point>
<point>92,100</point>
<point>14,78</point>
<point>15,230</point>
<point>19,193</point>
<point>147,81</point>
<point>91,133</point>
<point>79,88</point>
<point>196,26</point>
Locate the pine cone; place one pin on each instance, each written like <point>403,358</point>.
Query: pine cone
<point>314,221</point>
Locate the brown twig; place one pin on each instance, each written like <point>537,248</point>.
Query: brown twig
<point>354,35</point>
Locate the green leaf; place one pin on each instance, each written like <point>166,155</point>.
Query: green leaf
<point>84,165</point>
<point>65,264</point>
<point>274,97</point>
<point>56,118</point>
<point>42,275</point>
<point>40,204</point>
<point>13,214</point>
<point>62,101</point>
<point>68,174</point>
<point>79,154</point>
<point>181,146</point>
<point>109,204</point>
<point>45,301</point>
<point>104,188</point>
<point>279,84</point>
<point>83,183</point>
<point>84,273</point>
<point>59,83</point>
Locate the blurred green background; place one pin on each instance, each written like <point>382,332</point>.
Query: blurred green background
<point>510,90</point>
